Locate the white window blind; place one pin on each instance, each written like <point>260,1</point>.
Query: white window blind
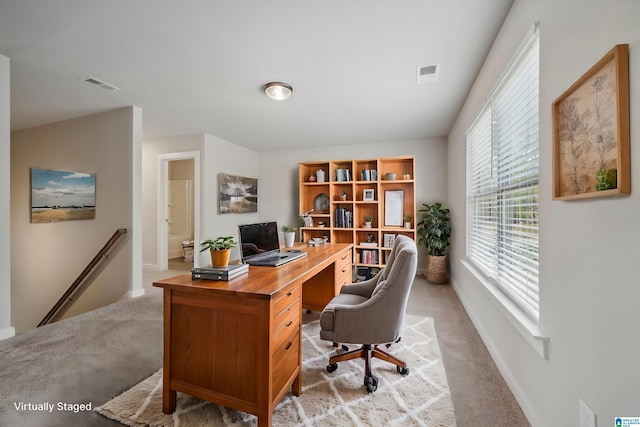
<point>502,183</point>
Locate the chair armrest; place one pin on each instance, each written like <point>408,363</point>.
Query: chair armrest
<point>363,289</point>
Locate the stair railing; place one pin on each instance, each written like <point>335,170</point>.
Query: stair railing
<point>97,260</point>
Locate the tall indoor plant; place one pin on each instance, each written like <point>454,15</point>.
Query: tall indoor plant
<point>434,232</point>
<point>220,249</point>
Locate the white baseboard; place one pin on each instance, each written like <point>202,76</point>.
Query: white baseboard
<point>150,267</point>
<point>135,294</point>
<point>7,333</point>
<point>521,397</point>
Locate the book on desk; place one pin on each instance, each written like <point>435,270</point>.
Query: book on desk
<point>227,273</point>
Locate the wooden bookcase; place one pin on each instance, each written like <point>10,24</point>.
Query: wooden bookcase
<point>383,188</point>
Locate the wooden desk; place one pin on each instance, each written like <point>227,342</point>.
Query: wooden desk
<point>238,343</point>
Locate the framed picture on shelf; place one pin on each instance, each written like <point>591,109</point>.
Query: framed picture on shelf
<point>388,239</point>
<point>394,208</point>
<point>368,195</point>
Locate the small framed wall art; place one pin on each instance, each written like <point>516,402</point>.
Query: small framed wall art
<point>591,132</point>
<point>237,194</point>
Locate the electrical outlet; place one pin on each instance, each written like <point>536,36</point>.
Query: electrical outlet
<point>587,416</point>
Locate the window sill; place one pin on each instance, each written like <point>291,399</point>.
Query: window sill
<point>529,330</point>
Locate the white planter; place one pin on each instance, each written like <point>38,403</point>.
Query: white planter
<point>289,238</point>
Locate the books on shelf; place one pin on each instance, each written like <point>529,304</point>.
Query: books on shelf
<point>369,175</point>
<point>388,239</point>
<point>342,218</point>
<point>343,175</point>
<point>219,273</point>
<point>368,256</point>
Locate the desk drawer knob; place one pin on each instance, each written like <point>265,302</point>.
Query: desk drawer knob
<point>289,293</point>
<point>289,323</point>
<point>288,345</point>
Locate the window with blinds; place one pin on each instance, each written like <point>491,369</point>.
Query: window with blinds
<point>502,183</point>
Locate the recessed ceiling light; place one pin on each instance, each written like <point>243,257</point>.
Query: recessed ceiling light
<point>277,90</point>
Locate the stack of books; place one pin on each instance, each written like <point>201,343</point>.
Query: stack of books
<point>219,273</point>
<point>343,218</point>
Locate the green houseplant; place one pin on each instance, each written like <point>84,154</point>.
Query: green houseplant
<point>220,249</point>
<point>289,233</point>
<point>434,232</point>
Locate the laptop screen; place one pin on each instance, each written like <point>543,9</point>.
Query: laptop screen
<point>257,239</point>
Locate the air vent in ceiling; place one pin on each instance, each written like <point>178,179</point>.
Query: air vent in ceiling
<point>99,83</point>
<point>428,73</point>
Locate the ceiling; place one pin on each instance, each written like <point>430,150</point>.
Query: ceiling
<point>197,66</point>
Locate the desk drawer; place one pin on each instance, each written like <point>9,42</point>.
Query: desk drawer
<point>283,301</point>
<point>286,323</point>
<point>344,261</point>
<point>343,270</point>
<point>285,362</point>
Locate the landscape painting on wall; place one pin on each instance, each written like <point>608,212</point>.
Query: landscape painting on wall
<point>238,194</point>
<point>62,195</point>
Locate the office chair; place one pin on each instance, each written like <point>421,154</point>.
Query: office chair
<point>371,313</point>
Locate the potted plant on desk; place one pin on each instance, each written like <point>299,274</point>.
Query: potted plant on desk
<point>220,249</point>
<point>435,232</point>
<point>289,233</point>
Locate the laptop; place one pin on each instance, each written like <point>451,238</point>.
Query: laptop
<point>259,245</point>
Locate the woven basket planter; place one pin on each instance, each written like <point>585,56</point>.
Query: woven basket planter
<point>437,269</point>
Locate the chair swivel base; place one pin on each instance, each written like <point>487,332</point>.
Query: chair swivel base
<point>366,352</point>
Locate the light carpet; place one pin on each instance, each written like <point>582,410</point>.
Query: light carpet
<point>421,398</point>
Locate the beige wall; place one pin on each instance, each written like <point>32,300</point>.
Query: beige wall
<point>47,258</point>
<point>588,249</point>
<point>6,328</point>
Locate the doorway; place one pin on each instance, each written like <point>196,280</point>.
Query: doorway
<point>178,209</point>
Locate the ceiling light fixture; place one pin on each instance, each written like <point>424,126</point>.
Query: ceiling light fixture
<point>277,90</point>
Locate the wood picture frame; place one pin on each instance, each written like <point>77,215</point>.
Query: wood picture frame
<point>590,120</point>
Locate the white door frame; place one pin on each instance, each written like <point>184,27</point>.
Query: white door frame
<point>162,206</point>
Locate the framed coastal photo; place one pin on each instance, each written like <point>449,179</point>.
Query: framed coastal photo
<point>62,195</point>
<point>591,132</point>
<point>237,194</point>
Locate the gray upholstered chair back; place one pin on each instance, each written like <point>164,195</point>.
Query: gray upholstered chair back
<point>375,316</point>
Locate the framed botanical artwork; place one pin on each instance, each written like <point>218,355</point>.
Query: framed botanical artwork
<point>591,132</point>
<point>58,195</point>
<point>237,194</point>
<point>368,195</point>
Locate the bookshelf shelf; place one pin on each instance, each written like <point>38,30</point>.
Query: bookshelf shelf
<point>355,189</point>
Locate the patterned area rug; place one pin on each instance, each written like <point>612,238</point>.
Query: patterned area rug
<point>421,398</point>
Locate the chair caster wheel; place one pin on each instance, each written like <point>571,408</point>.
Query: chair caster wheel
<point>371,383</point>
<point>332,367</point>
<point>402,371</point>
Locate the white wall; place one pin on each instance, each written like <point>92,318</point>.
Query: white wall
<point>6,330</point>
<point>151,149</point>
<point>589,289</point>
<point>47,258</point>
<point>217,156</point>
<point>279,173</point>
<point>222,156</point>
